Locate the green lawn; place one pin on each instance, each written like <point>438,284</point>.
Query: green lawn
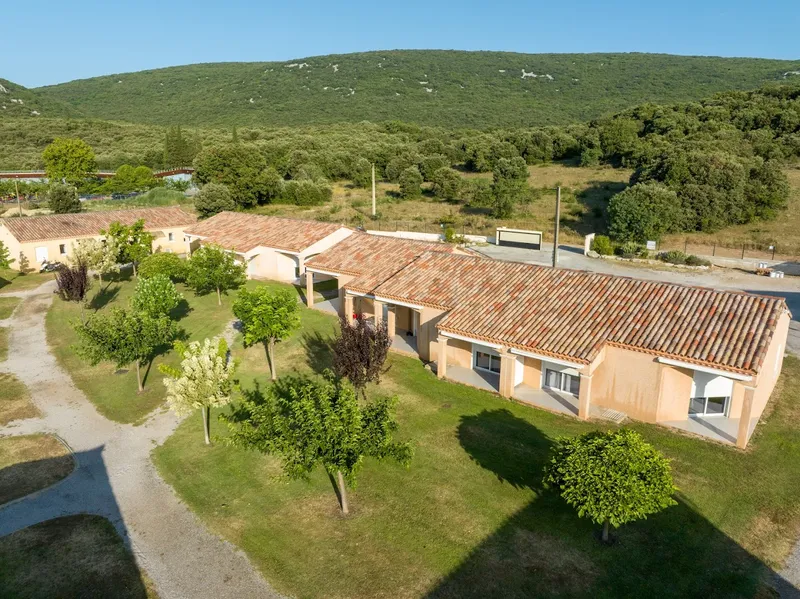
<point>7,305</point>
<point>113,391</point>
<point>15,402</point>
<point>29,463</point>
<point>469,518</point>
<point>74,556</point>
<point>3,343</point>
<point>13,280</point>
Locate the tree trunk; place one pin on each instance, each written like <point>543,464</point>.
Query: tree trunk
<point>605,531</point>
<point>271,352</point>
<point>219,297</point>
<point>206,413</point>
<point>100,276</point>
<point>134,268</point>
<point>139,377</point>
<point>342,493</point>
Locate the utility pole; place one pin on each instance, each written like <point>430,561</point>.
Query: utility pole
<point>373,190</point>
<point>555,234</point>
<point>19,206</point>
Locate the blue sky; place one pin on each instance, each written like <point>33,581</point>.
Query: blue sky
<point>54,41</point>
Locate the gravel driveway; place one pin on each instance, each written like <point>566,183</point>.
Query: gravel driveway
<point>115,477</point>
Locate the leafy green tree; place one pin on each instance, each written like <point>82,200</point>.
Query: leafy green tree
<point>361,173</point>
<point>644,211</point>
<point>509,185</point>
<point>123,337</point>
<point>63,199</point>
<point>178,149</point>
<point>162,263</point>
<point>309,423</point>
<point>410,182</point>
<point>510,169</point>
<point>69,160</point>
<point>155,296</point>
<point>305,193</point>
<point>5,257</point>
<point>430,164</point>
<point>447,184</point>
<point>267,317</point>
<point>212,199</point>
<point>128,178</point>
<point>611,478</point>
<point>212,268</point>
<point>238,166</point>
<point>204,379</point>
<point>134,243</point>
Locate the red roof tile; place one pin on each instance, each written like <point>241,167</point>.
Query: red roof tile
<point>84,224</point>
<point>241,232</point>
<point>572,314</point>
<point>372,259</point>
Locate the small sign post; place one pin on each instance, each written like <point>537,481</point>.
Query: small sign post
<point>651,246</point>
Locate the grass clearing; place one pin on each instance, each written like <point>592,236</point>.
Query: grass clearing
<point>29,463</point>
<point>114,391</point>
<point>13,280</point>
<point>74,556</point>
<point>15,402</point>
<point>469,518</point>
<point>3,343</point>
<point>7,306</point>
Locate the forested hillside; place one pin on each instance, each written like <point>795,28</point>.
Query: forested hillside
<point>427,87</point>
<point>18,101</point>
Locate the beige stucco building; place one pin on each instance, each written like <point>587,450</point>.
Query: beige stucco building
<point>575,342</point>
<point>272,247</point>
<point>37,239</point>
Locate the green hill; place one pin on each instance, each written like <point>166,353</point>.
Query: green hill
<point>430,87</point>
<point>18,101</point>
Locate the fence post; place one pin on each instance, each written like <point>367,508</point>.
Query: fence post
<point>685,245</point>
<point>774,245</point>
<point>714,249</point>
<point>742,251</point>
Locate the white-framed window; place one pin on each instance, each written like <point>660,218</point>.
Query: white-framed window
<point>62,249</point>
<point>487,361</point>
<point>711,394</point>
<point>561,378</point>
<point>171,236</point>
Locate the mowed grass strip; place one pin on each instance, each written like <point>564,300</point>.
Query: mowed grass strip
<point>13,280</point>
<point>29,463</point>
<point>74,556</point>
<point>470,518</point>
<point>15,401</point>
<point>4,335</point>
<point>114,391</point>
<point>7,306</point>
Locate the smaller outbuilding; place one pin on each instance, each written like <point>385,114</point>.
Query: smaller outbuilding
<point>49,238</point>
<point>272,247</point>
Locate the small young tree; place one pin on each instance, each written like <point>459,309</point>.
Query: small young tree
<point>97,254</point>
<point>213,199</point>
<point>307,423</point>
<point>68,159</point>
<point>360,351</point>
<point>5,256</point>
<point>410,181</point>
<point>212,268</point>
<point>155,296</point>
<point>446,183</point>
<point>134,243</point>
<point>72,284</point>
<point>162,263</point>
<point>204,379</point>
<point>611,478</point>
<point>123,337</point>
<point>63,199</point>
<point>267,317</point>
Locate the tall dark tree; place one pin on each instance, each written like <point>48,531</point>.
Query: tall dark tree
<point>360,352</point>
<point>72,284</point>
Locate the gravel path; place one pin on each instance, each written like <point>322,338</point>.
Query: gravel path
<point>115,477</point>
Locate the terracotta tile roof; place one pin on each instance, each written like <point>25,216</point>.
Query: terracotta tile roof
<point>84,224</point>
<point>372,259</point>
<point>571,314</point>
<point>242,232</point>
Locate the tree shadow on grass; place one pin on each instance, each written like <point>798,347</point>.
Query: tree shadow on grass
<point>181,311</point>
<point>546,550</point>
<point>105,296</point>
<point>318,350</point>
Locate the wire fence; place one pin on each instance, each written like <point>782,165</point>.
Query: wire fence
<point>745,250</point>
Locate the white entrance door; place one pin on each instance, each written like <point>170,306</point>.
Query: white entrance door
<point>518,370</point>
<point>41,254</point>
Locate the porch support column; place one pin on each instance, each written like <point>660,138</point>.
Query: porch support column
<point>744,420</point>
<point>348,308</point>
<point>378,307</point>
<point>585,396</point>
<point>507,363</point>
<point>390,322</point>
<point>309,289</point>
<point>441,363</point>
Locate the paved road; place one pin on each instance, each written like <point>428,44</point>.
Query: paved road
<point>718,278</point>
<point>115,477</point>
